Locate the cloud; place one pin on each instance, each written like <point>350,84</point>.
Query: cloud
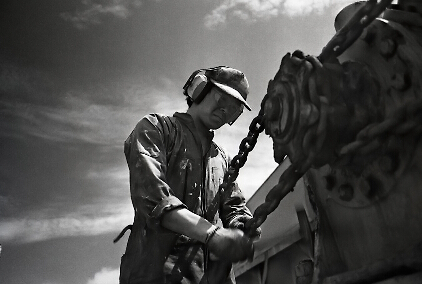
<point>253,10</point>
<point>89,220</point>
<point>105,276</point>
<point>78,116</point>
<point>90,124</point>
<point>112,174</point>
<point>93,12</point>
<point>245,10</point>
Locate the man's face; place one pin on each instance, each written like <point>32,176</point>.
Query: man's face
<point>219,108</point>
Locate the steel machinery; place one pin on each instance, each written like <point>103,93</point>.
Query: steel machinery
<point>350,121</point>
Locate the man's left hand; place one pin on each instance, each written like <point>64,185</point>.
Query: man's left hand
<point>239,223</point>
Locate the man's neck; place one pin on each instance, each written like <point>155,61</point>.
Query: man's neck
<point>203,132</point>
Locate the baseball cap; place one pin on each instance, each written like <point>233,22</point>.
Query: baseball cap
<point>230,81</point>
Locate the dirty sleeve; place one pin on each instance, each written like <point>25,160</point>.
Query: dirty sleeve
<point>146,156</point>
<point>234,206</point>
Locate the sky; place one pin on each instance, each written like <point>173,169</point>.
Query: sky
<point>77,75</point>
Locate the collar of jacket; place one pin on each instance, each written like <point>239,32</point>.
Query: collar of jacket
<point>188,121</point>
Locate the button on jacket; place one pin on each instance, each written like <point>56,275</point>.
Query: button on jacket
<point>167,171</point>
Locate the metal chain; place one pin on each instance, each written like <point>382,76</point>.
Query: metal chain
<point>246,146</point>
<point>405,119</point>
<point>291,175</point>
<point>285,185</point>
<point>348,34</point>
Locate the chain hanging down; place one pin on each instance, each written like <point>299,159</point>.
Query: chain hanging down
<point>247,145</point>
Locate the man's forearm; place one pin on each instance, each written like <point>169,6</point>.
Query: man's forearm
<point>228,244</point>
<point>185,222</point>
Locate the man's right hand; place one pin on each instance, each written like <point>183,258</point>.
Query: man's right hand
<point>231,244</point>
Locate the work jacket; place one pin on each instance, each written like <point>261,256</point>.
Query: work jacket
<point>168,171</point>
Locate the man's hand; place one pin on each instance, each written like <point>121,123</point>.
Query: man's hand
<point>230,244</point>
<point>239,223</point>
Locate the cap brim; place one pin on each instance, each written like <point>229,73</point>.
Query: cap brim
<point>232,92</point>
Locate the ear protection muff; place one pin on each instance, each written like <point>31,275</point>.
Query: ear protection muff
<point>204,86</point>
<point>202,89</point>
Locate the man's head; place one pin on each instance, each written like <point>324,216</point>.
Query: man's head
<point>230,83</point>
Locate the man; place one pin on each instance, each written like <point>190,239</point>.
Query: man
<point>175,173</point>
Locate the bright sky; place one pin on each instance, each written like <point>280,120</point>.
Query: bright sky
<point>77,75</point>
